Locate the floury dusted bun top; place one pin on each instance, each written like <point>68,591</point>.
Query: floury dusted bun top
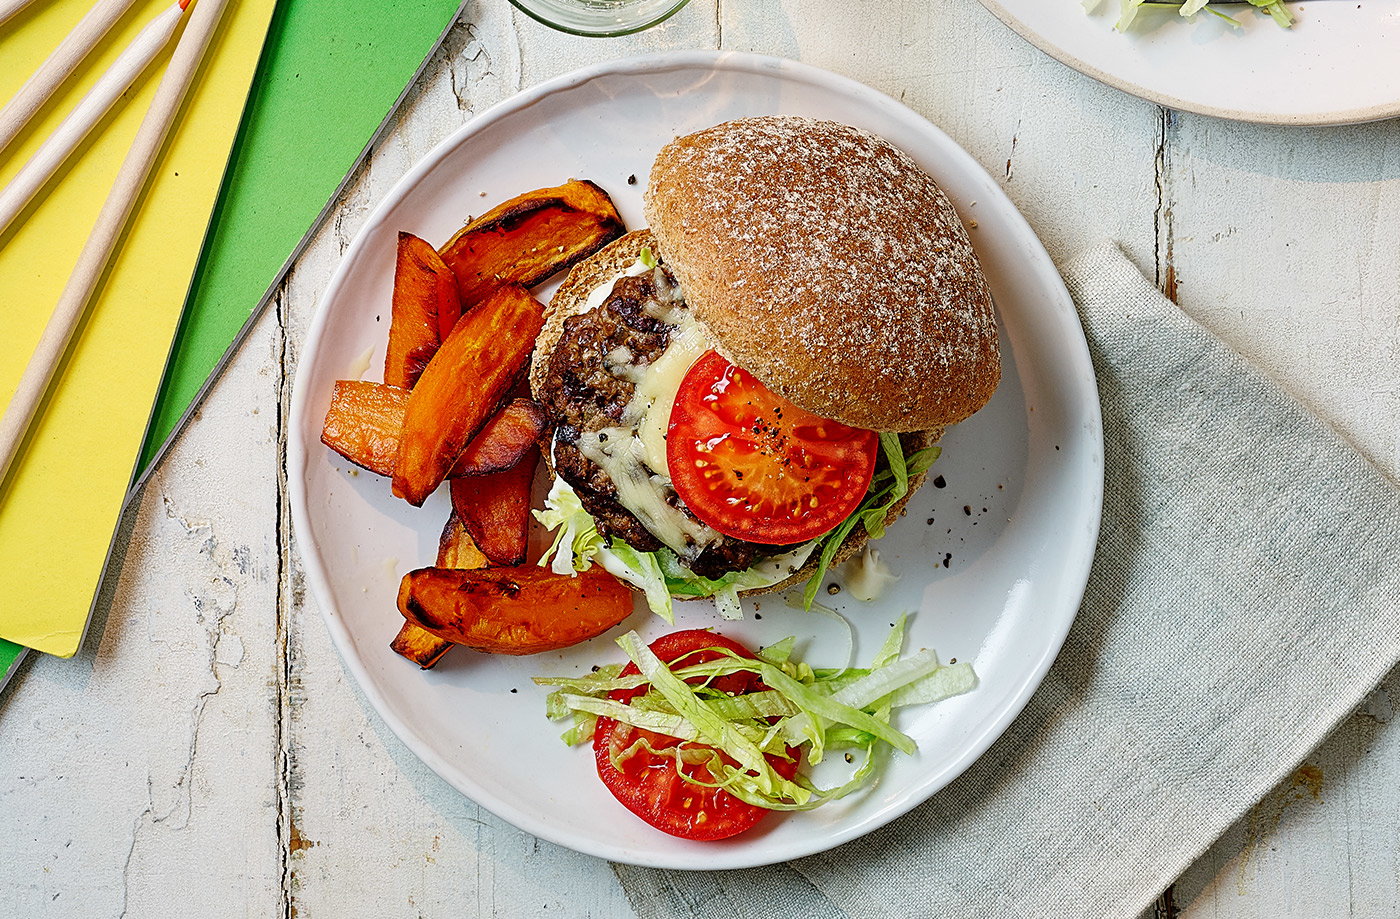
<point>831,267</point>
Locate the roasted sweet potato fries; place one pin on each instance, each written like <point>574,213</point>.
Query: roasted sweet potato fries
<point>461,387</point>
<point>522,610</point>
<point>426,306</point>
<point>455,550</point>
<point>364,422</point>
<point>531,237</point>
<point>462,328</point>
<point>495,509</point>
<point>365,419</point>
<point>504,440</point>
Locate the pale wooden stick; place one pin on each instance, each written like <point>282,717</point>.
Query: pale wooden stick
<point>130,180</point>
<point>59,66</point>
<point>132,62</point>
<point>9,7</point>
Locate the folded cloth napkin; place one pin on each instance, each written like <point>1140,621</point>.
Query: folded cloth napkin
<point>1244,598</point>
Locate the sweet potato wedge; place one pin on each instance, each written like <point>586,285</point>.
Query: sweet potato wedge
<point>364,422</point>
<point>531,237</point>
<point>462,386</point>
<point>426,306</point>
<point>521,610</point>
<point>423,648</point>
<point>455,550</point>
<point>495,509</point>
<point>365,419</point>
<point>504,440</point>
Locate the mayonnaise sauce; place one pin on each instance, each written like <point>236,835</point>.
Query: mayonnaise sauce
<point>867,576</point>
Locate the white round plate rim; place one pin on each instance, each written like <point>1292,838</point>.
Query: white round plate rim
<point>1077,379</point>
<point>1084,53</point>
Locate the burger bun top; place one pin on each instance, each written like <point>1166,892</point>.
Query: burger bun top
<point>831,267</point>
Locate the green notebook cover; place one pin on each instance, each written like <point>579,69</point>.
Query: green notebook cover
<point>330,75</point>
<point>10,656</point>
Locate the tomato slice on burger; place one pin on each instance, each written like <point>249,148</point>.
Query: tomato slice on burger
<point>639,766</point>
<point>754,466</point>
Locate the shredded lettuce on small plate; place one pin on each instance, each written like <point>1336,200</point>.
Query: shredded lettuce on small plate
<point>815,711</point>
<point>1128,10</point>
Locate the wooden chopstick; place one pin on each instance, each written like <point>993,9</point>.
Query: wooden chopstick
<point>112,219</point>
<point>9,8</point>
<point>59,66</point>
<point>88,112</point>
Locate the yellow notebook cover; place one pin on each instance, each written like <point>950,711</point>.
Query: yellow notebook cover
<point>64,495</point>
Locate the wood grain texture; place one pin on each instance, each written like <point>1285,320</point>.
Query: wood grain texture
<point>208,754</point>
<point>151,757</point>
<point>1286,244</point>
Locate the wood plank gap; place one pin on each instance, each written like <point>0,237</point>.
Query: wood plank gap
<point>1164,266</point>
<point>1164,261</point>
<point>286,824</point>
<point>1165,907</point>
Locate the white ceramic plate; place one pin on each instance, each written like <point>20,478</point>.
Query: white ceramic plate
<point>1015,521</point>
<point>1338,64</point>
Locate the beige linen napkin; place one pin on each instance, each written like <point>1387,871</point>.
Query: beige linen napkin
<point>1245,596</point>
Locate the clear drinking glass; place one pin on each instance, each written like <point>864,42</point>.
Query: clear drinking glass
<point>599,18</point>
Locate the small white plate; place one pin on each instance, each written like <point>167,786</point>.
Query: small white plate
<point>993,560</point>
<point>1338,64</point>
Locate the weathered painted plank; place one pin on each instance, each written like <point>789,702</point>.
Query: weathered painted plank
<point>1286,243</point>
<point>139,778</point>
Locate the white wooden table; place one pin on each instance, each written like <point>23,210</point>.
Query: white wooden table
<point>206,754</point>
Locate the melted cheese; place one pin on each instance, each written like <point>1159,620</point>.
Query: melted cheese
<point>619,453</point>
<point>600,293</point>
<point>633,453</point>
<point>656,393</point>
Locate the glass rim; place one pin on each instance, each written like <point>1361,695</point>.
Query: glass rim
<point>525,7</point>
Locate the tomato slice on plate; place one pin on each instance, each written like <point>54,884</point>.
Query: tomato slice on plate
<point>647,782</point>
<point>754,466</point>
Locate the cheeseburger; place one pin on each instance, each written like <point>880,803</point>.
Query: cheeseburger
<point>746,392</point>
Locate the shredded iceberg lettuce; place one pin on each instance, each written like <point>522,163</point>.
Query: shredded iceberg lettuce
<point>659,575</point>
<point>1128,10</point>
<point>576,536</point>
<point>643,571</point>
<point>887,487</point>
<point>814,711</point>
